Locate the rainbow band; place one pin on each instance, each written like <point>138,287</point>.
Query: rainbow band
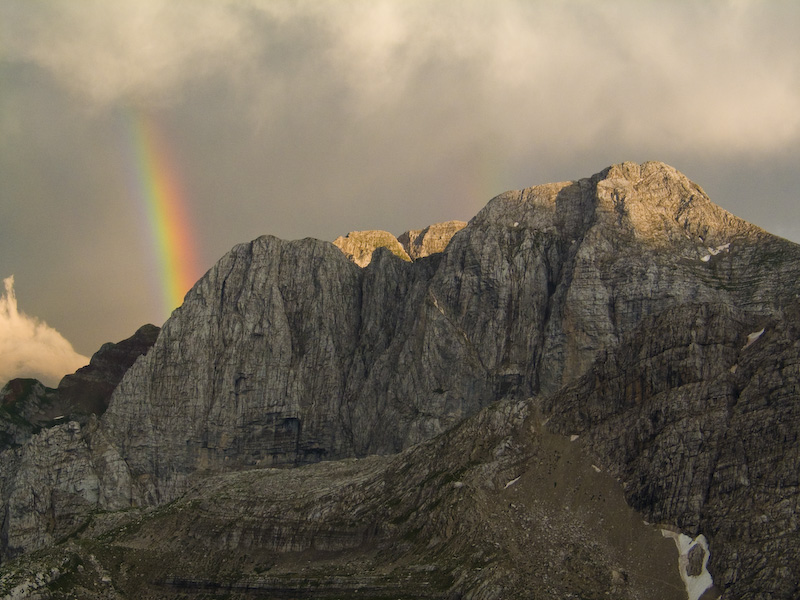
<point>159,190</point>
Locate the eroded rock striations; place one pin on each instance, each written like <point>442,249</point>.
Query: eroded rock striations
<point>623,309</point>
<point>494,508</point>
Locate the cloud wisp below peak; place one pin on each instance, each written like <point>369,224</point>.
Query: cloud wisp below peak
<point>31,348</point>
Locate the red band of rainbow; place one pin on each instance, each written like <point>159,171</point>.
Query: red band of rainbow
<point>160,191</point>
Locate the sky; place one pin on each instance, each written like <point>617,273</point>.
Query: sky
<point>141,139</point>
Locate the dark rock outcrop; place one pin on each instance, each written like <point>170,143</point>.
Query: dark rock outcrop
<point>88,390</point>
<point>27,406</point>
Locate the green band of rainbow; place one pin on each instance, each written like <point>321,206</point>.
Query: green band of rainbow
<point>159,190</point>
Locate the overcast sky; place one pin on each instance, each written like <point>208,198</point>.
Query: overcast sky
<point>317,118</point>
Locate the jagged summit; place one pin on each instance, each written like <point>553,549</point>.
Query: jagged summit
<point>359,246</point>
<point>433,239</point>
<point>652,202</point>
<point>627,295</point>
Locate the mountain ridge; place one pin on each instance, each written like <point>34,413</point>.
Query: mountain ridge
<point>290,353</point>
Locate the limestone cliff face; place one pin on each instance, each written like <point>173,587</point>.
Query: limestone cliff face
<point>696,413</point>
<point>53,482</point>
<point>289,353</point>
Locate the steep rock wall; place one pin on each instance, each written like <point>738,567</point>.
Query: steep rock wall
<point>287,353</point>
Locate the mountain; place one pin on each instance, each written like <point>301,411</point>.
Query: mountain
<point>27,406</point>
<point>359,246</point>
<point>502,411</point>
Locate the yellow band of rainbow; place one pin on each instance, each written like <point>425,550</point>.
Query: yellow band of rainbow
<point>161,193</point>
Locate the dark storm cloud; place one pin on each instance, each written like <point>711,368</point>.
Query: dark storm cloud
<point>316,118</point>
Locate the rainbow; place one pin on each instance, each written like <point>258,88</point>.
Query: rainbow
<point>156,183</point>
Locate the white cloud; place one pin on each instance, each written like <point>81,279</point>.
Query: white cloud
<point>29,347</point>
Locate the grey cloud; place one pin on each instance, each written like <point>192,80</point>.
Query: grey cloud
<point>143,51</point>
<point>722,76</point>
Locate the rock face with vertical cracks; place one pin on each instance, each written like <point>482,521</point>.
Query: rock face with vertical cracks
<point>700,422</point>
<point>624,307</point>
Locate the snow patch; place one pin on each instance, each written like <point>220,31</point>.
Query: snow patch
<point>696,585</point>
<point>753,337</point>
<point>573,437</point>
<point>715,251</point>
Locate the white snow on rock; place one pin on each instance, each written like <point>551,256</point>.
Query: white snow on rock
<point>753,337</point>
<point>696,585</point>
<point>715,251</point>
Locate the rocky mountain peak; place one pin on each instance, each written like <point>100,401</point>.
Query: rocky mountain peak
<point>414,244</point>
<point>651,203</point>
<point>659,205</point>
<point>358,246</point>
<point>419,243</point>
<point>620,325</point>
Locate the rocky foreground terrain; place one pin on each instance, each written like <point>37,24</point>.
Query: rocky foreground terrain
<point>588,391</point>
